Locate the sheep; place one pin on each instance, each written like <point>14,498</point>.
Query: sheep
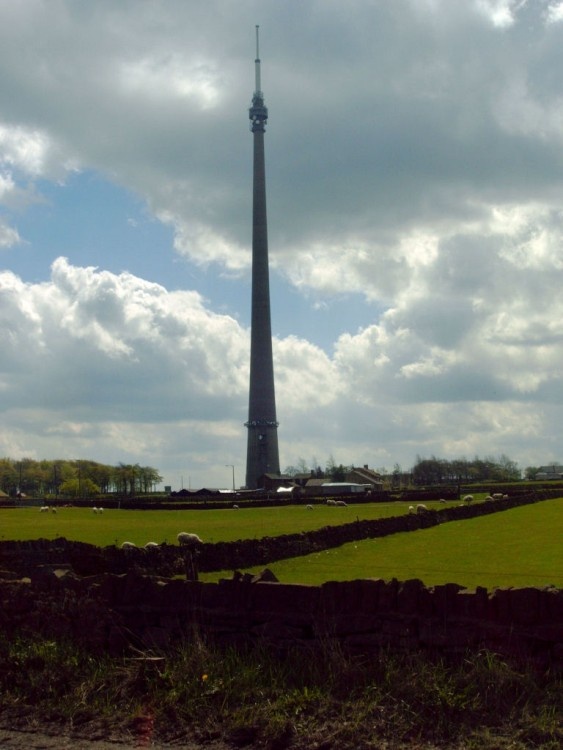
<point>152,545</point>
<point>94,509</point>
<point>330,501</point>
<point>411,508</point>
<point>53,510</point>
<point>309,507</point>
<point>186,539</point>
<point>235,506</point>
<point>497,496</point>
<point>441,500</point>
<point>421,508</point>
<point>468,499</point>
<point>505,497</point>
<point>100,510</point>
<point>489,499</point>
<point>128,545</point>
<point>44,509</point>
<point>341,503</point>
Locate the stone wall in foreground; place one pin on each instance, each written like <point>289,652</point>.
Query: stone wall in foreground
<point>109,612</point>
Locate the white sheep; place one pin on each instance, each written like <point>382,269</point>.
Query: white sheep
<point>53,510</point>
<point>94,509</point>
<point>341,503</point>
<point>235,506</point>
<point>186,539</point>
<point>100,510</point>
<point>497,496</point>
<point>128,545</point>
<point>505,497</point>
<point>489,499</point>
<point>411,508</point>
<point>44,509</point>
<point>468,499</point>
<point>152,545</point>
<point>421,508</point>
<point>330,501</point>
<point>441,500</point>
<point>309,507</point>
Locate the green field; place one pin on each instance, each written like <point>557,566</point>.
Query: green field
<point>116,526</point>
<point>520,547</point>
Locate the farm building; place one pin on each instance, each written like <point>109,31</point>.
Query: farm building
<point>271,482</point>
<point>554,471</point>
<point>343,488</point>
<point>365,476</point>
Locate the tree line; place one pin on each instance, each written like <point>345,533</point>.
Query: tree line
<point>427,471</point>
<point>74,478</point>
<point>430,471</point>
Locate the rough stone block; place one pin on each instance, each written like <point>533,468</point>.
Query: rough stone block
<point>283,598</point>
<point>525,606</point>
<point>409,595</point>
<point>444,599</point>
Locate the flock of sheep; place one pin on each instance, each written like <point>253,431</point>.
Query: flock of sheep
<point>189,540</point>
<point>185,539</point>
<point>467,499</point>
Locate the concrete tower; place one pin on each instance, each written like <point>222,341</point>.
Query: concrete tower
<point>262,453</point>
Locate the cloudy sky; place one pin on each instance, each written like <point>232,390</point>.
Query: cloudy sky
<point>415,184</point>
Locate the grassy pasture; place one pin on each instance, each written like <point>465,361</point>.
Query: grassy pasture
<point>520,547</point>
<point>116,526</point>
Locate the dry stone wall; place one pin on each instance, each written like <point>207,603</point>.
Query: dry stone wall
<point>111,612</point>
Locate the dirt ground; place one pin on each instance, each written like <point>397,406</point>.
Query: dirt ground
<point>41,738</point>
<point>18,734</point>
<point>32,739</point>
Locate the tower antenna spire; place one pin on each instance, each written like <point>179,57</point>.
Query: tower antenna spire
<point>257,62</point>
<point>258,112</point>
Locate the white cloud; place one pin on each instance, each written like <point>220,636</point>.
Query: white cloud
<point>8,236</point>
<point>554,13</point>
<point>24,148</point>
<point>170,75</point>
<point>500,12</point>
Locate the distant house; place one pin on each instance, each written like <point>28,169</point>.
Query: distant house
<point>554,471</point>
<point>365,476</point>
<point>303,479</point>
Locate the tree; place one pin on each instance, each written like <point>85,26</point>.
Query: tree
<point>302,467</point>
<point>396,476</point>
<point>509,471</point>
<point>79,488</point>
<point>330,466</point>
<point>433,470</point>
<point>339,473</point>
<point>147,478</point>
<point>8,475</point>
